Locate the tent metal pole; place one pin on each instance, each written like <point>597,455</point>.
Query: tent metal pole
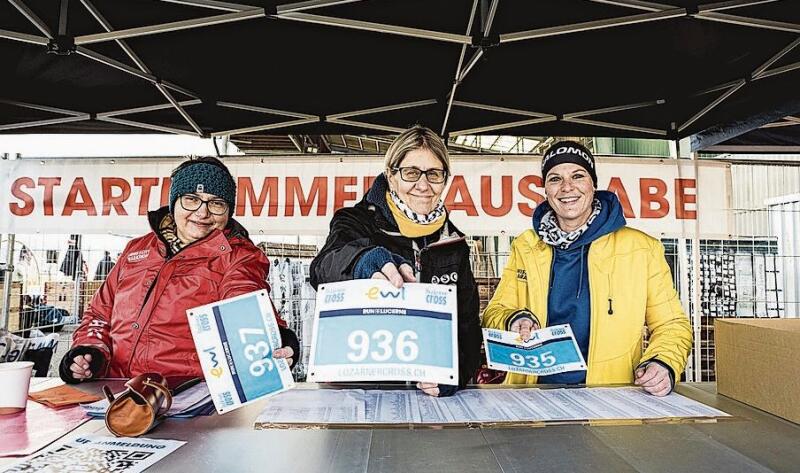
<point>253,108</point>
<point>180,110</point>
<point>358,124</point>
<point>271,126</point>
<point>483,129</point>
<point>585,121</point>
<point>51,121</point>
<point>640,5</point>
<point>457,77</point>
<point>710,7</point>
<point>713,104</point>
<point>122,44</point>
<point>727,5</point>
<point>168,27</point>
<point>377,27</point>
<point>696,319</point>
<point>494,108</point>
<point>7,281</point>
<point>716,88</point>
<point>487,27</point>
<point>149,108</point>
<point>23,37</point>
<point>761,69</point>
<point>43,108</point>
<point>470,64</point>
<point>310,5</point>
<point>63,17</point>
<point>32,17</point>
<point>88,53</point>
<point>778,70</point>
<point>745,21</point>
<point>387,108</point>
<point>618,108</point>
<point>213,4</point>
<point>147,126</point>
<point>592,25</point>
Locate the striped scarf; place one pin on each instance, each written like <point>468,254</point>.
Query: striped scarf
<point>422,219</point>
<point>554,236</point>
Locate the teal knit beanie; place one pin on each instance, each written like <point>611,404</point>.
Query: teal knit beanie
<point>203,177</point>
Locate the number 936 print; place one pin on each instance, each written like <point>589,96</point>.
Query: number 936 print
<point>234,339</point>
<point>368,330</point>
<point>549,351</point>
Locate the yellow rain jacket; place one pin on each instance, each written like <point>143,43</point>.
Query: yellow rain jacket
<point>626,266</point>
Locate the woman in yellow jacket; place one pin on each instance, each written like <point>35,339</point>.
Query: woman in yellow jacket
<point>580,265</point>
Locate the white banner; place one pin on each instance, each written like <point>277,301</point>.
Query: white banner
<point>488,195</point>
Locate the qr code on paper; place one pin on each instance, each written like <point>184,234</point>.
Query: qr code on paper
<point>67,459</point>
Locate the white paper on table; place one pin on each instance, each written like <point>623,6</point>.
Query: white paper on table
<point>348,406</point>
<point>328,406</point>
<point>95,453</point>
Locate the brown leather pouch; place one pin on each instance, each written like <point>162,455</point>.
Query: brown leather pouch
<point>140,407</point>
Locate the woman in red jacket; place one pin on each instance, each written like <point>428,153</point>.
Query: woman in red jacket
<point>196,254</point>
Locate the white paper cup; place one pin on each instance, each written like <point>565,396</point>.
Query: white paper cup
<point>15,379</point>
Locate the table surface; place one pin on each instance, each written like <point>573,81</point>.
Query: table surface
<point>754,441</point>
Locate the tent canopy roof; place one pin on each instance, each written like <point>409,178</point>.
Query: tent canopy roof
<point>552,67</point>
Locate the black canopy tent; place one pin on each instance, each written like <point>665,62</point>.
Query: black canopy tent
<point>551,67</point>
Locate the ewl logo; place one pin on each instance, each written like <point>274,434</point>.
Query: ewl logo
<point>216,369</point>
<point>374,293</point>
<point>522,275</point>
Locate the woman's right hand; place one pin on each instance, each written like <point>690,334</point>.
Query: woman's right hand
<point>523,327</point>
<point>80,367</point>
<point>397,276</point>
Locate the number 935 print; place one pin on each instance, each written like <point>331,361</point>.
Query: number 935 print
<point>550,350</point>
<point>367,330</point>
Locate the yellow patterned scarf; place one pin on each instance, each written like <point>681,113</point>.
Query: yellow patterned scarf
<point>169,231</point>
<point>409,228</point>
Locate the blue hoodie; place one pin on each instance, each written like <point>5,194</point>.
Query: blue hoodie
<point>568,299</point>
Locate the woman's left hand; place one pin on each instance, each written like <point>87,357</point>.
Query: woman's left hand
<point>654,379</point>
<point>431,389</point>
<point>285,352</point>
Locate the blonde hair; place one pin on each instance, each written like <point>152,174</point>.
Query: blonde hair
<point>417,137</point>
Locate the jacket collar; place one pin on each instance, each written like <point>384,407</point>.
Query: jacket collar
<point>376,196</point>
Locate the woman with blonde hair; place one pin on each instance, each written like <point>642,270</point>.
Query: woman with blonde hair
<point>400,232</point>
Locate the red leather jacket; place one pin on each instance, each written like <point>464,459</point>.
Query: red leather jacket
<point>138,316</point>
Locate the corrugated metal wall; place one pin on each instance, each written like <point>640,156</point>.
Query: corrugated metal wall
<point>785,219</point>
<point>751,186</point>
<point>765,202</point>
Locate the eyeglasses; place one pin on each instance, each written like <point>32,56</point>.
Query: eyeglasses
<point>412,174</point>
<point>191,203</point>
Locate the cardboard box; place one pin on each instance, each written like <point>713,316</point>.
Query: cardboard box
<point>757,364</point>
<point>14,307</point>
